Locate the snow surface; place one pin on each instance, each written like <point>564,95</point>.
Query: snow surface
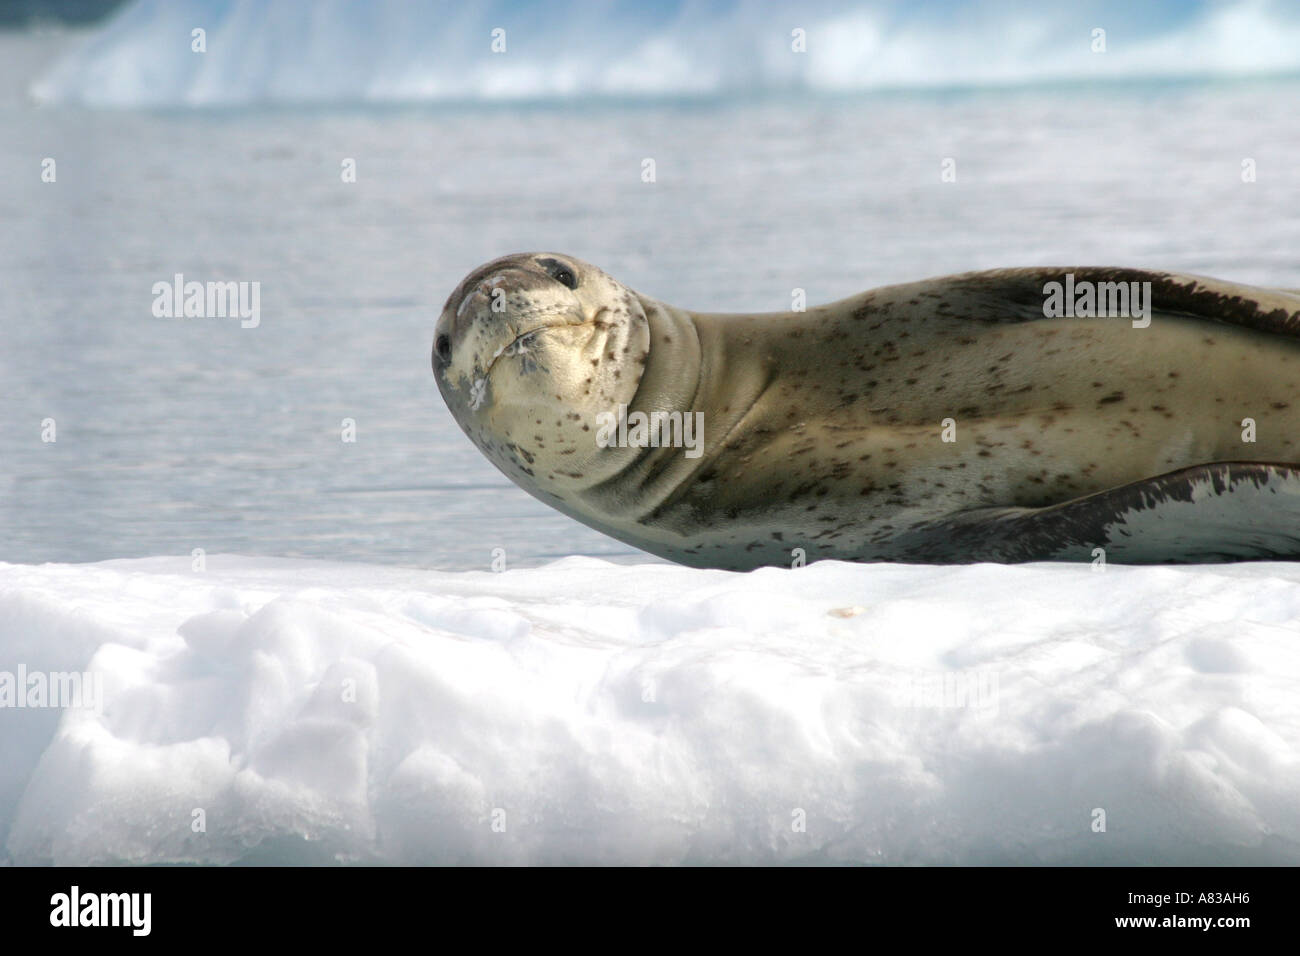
<point>591,712</point>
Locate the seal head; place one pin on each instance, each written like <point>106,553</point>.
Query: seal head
<point>529,349</point>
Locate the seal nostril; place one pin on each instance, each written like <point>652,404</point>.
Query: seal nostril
<point>442,345</point>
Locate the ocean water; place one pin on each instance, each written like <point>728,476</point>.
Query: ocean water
<point>175,434</point>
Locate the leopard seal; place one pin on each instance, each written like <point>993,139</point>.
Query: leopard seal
<point>941,421</point>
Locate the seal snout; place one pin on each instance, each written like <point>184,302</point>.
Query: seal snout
<point>499,304</point>
<point>480,305</point>
<point>458,318</point>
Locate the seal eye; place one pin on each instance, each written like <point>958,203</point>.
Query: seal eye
<point>560,273</point>
<point>442,345</point>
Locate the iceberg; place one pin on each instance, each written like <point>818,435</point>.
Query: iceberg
<point>386,51</point>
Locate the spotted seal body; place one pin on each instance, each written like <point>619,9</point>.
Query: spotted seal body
<point>938,421</point>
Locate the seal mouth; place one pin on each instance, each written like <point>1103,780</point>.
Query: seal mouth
<point>512,347</point>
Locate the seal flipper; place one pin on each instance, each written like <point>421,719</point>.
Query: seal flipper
<point>1224,511</point>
